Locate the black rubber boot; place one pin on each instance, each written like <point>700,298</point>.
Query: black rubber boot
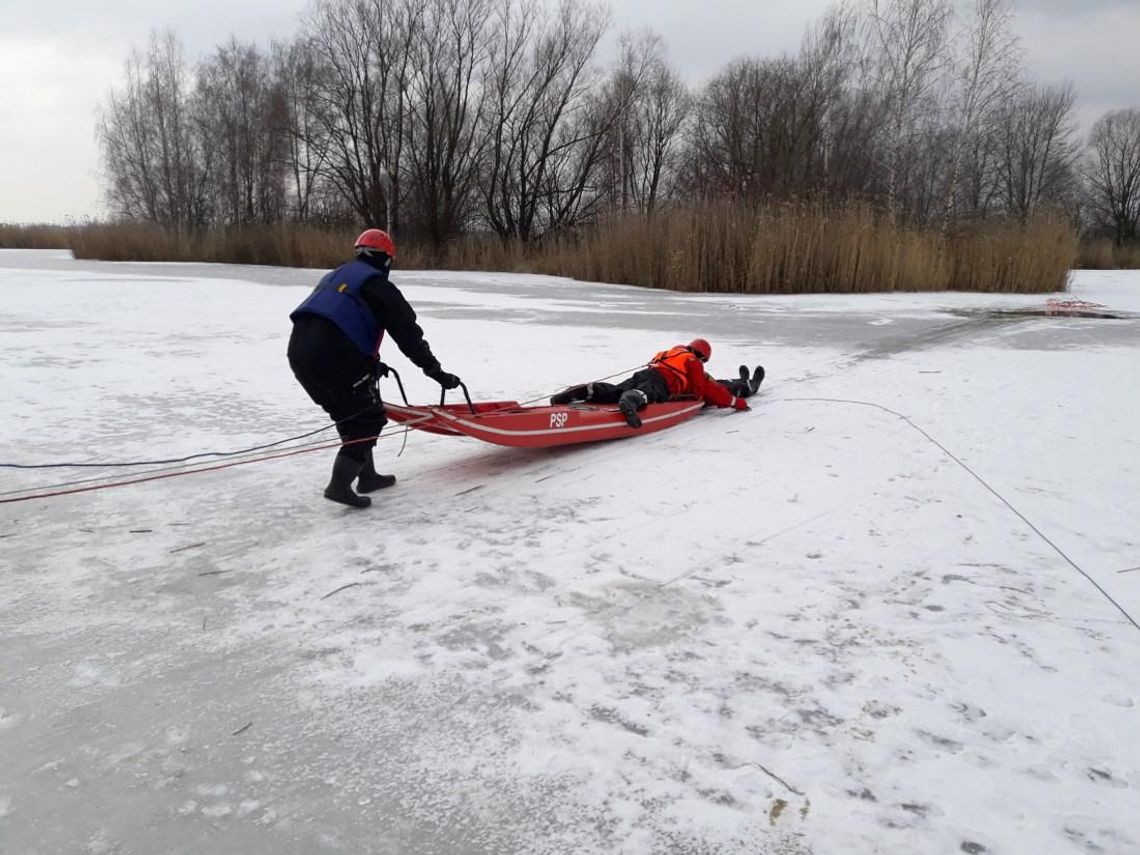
<point>741,387</point>
<point>746,385</point>
<point>566,396</point>
<point>757,378</point>
<point>345,470</point>
<point>370,479</point>
<point>632,401</point>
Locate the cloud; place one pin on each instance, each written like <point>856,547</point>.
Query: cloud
<point>1073,8</point>
<point>48,154</point>
<point>1099,57</point>
<point>200,23</point>
<point>60,58</point>
<point>703,37</point>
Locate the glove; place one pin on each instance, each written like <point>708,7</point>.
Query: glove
<point>443,378</point>
<point>380,370</point>
<point>740,404</point>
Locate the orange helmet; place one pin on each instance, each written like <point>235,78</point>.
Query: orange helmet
<point>375,240</point>
<point>701,348</point>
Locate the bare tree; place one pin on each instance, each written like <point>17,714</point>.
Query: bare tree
<point>928,156</point>
<point>445,147</point>
<point>988,75</point>
<point>624,96</point>
<point>306,138</point>
<point>659,116</point>
<point>831,66</point>
<point>364,47</point>
<point>729,135</point>
<point>544,132</point>
<point>762,129</point>
<point>852,158</point>
<point>908,41</point>
<point>238,114</point>
<point>1113,173</point>
<point>126,137</point>
<point>980,181</point>
<point>795,122</point>
<point>157,169</point>
<point>793,126</point>
<point>622,89</point>
<point>1037,150</point>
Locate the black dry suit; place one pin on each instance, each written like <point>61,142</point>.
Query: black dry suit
<point>334,348</point>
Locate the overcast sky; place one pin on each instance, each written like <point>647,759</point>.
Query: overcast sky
<point>60,58</point>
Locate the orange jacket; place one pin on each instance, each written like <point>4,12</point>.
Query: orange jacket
<point>685,374</point>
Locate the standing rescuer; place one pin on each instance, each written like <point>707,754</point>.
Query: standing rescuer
<point>334,352</point>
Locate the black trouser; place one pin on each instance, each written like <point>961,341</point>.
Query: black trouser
<point>338,377</point>
<point>737,386</point>
<point>647,380</point>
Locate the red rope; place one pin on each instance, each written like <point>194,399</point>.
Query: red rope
<point>161,476</point>
<point>164,475</point>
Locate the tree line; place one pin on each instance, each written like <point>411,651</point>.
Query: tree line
<point>437,119</point>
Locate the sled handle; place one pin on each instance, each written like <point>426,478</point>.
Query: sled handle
<point>442,391</point>
<point>463,386</point>
<point>399,383</point>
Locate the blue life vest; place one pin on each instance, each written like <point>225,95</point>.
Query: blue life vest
<point>337,298</point>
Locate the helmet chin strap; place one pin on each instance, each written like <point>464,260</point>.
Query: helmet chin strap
<point>375,255</point>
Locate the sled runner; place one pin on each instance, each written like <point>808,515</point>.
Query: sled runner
<point>508,423</point>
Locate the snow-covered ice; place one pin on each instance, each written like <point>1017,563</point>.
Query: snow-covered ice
<point>884,611</point>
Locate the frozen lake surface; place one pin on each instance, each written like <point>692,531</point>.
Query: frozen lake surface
<point>891,609</point>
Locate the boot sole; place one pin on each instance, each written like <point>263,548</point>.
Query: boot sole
<point>350,500</point>
<point>389,481</point>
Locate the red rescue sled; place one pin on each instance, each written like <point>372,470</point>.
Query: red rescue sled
<point>508,423</point>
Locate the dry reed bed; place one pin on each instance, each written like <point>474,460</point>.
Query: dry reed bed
<point>807,249</point>
<point>789,248</point>
<point>1103,254</point>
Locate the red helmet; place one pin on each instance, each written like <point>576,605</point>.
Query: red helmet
<point>375,240</point>
<point>701,348</point>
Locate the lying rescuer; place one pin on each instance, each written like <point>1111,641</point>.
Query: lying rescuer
<point>673,373</point>
<point>334,352</point>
